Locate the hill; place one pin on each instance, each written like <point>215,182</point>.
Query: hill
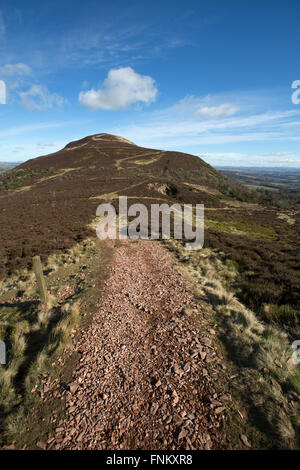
<point>47,205</point>
<point>52,199</point>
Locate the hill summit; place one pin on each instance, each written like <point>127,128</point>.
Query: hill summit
<point>116,153</point>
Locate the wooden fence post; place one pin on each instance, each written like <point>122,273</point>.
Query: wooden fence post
<point>38,270</point>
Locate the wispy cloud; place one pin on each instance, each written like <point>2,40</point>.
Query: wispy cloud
<point>180,126</point>
<point>19,79</point>
<point>19,148</point>
<point>39,98</point>
<point>223,155</point>
<point>13,70</point>
<point>112,43</point>
<point>19,130</point>
<point>221,110</point>
<point>45,145</point>
<point>175,133</point>
<point>276,159</point>
<point>16,76</point>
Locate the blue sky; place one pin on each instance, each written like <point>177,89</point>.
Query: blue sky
<point>209,78</point>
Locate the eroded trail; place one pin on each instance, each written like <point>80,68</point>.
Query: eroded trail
<point>142,380</point>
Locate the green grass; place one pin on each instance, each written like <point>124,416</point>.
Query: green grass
<point>14,179</point>
<point>241,225</point>
<point>284,314</point>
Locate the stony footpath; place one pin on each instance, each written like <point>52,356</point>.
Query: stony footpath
<point>146,374</point>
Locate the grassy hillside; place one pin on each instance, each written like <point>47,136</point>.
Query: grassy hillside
<point>47,205</point>
<point>52,199</point>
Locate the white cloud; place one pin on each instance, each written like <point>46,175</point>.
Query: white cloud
<point>12,70</point>
<point>120,89</point>
<point>223,110</point>
<point>38,97</point>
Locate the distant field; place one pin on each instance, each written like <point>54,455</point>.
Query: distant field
<point>267,178</point>
<point>4,166</point>
<point>284,183</point>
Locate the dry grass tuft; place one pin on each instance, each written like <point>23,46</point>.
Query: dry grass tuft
<point>70,319</point>
<point>256,349</point>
